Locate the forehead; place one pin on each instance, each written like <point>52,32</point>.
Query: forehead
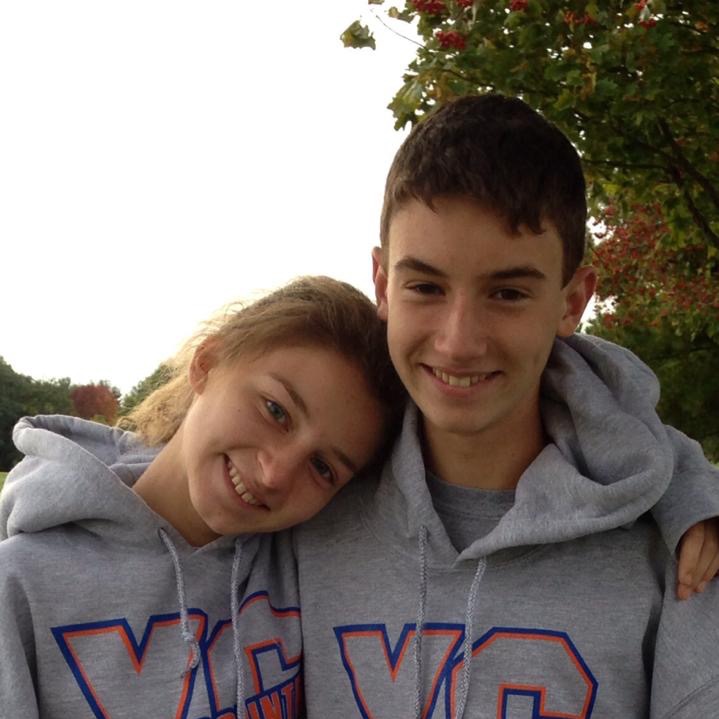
<point>327,392</point>
<point>459,231</point>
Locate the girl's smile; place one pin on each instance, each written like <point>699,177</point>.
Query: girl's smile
<point>266,443</point>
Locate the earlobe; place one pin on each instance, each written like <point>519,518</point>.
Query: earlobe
<point>379,276</point>
<point>578,292</point>
<point>203,360</point>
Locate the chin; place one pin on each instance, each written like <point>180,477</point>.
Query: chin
<point>461,426</point>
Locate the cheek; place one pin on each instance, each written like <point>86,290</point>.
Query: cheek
<point>542,343</point>
<point>401,338</point>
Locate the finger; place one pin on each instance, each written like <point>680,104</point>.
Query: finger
<point>689,552</point>
<point>703,567</point>
<point>683,591</point>
<point>710,548</point>
<point>713,570</point>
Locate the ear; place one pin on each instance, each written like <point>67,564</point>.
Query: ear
<point>577,293</point>
<point>379,276</point>
<point>203,360</point>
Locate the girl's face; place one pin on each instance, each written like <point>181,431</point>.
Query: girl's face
<point>268,441</point>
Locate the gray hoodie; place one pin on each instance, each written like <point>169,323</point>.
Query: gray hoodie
<point>564,608</point>
<point>105,610</point>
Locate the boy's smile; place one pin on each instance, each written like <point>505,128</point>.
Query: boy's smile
<point>472,313</point>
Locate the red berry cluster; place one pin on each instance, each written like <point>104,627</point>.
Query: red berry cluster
<point>649,278</point>
<point>571,18</point>
<point>518,5</point>
<point>465,3</point>
<point>430,7</point>
<point>451,40</point>
<point>647,22</point>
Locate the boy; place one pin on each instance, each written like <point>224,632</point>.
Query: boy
<point>502,565</point>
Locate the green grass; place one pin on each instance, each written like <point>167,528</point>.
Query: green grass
<point>2,478</point>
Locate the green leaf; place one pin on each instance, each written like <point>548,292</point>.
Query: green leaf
<point>358,35</point>
<point>397,14</point>
<point>565,100</point>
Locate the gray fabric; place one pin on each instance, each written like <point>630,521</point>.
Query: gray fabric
<point>466,512</point>
<point>106,611</point>
<point>575,613</point>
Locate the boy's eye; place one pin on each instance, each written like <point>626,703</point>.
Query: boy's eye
<point>507,293</point>
<point>276,411</point>
<point>425,288</point>
<point>323,469</point>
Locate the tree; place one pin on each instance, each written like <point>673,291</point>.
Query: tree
<point>654,300</point>
<point>634,86</point>
<point>160,376</point>
<point>11,391</point>
<point>98,402</point>
<point>21,395</point>
<point>649,281</point>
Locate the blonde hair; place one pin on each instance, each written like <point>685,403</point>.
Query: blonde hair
<point>310,311</point>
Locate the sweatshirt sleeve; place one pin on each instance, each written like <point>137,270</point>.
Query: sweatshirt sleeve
<point>693,493</point>
<point>17,655</point>
<point>685,681</point>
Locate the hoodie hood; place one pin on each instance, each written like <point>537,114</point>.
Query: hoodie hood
<point>609,459</point>
<point>70,475</point>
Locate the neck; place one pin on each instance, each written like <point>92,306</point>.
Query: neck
<point>163,487</point>
<point>486,460</point>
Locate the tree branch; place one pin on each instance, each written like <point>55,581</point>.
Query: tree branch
<point>623,165</point>
<point>681,354</point>
<point>699,219</point>
<point>391,29</point>
<point>687,166</point>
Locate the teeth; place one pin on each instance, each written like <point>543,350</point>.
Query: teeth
<point>454,381</point>
<point>239,486</point>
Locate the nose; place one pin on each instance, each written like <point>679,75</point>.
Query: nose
<point>279,466</point>
<point>463,330</point>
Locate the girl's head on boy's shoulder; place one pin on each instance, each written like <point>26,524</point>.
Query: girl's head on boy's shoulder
<point>270,410</point>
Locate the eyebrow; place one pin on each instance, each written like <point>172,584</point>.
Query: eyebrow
<point>302,406</point>
<point>292,392</point>
<point>412,263</point>
<point>508,273</point>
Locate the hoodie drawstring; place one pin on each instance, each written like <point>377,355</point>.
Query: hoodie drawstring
<point>235,612</point>
<point>463,688</point>
<point>187,636</point>
<point>420,620</point>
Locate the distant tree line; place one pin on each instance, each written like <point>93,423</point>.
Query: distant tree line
<point>21,395</point>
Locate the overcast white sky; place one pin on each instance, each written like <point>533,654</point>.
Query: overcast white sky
<point>160,158</point>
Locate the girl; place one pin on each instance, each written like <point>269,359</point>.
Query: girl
<point>120,581</point>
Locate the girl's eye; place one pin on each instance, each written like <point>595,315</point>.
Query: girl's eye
<point>277,412</point>
<point>323,469</point>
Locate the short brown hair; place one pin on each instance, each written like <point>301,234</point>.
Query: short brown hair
<point>499,152</point>
<point>310,311</point>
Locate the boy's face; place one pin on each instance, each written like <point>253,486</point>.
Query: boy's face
<point>472,312</point>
